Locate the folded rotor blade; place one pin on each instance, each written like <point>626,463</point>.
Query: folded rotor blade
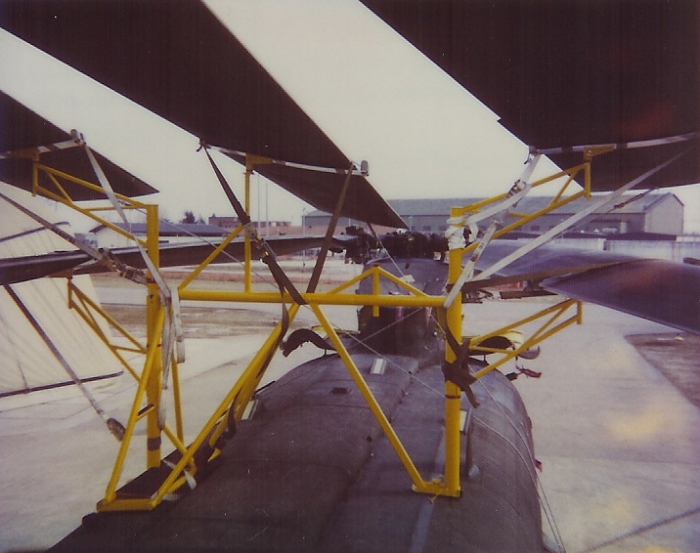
<point>654,289</point>
<point>20,269</point>
<point>657,290</point>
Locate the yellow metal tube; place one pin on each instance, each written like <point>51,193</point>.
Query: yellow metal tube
<point>60,188</point>
<point>552,309</point>
<point>369,398</point>
<point>152,354</point>
<point>529,343</point>
<point>88,213</point>
<point>317,298</point>
<point>175,368</point>
<point>526,218</point>
<point>86,184</point>
<point>125,505</point>
<point>563,306</point>
<point>195,273</point>
<point>375,289</point>
<point>544,332</point>
<point>453,393</point>
<point>373,272</point>
<point>154,309</point>
<point>354,280</point>
<point>65,199</point>
<point>401,283</point>
<point>85,309</point>
<point>250,372</point>
<point>87,301</point>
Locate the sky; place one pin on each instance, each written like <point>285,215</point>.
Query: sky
<point>370,91</point>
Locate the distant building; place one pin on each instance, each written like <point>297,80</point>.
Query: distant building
<point>265,228</point>
<point>653,213</point>
<point>229,223</point>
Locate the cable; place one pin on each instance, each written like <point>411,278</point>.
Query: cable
<point>538,485</point>
<point>114,426</point>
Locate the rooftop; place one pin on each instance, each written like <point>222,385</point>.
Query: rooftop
<point>441,206</point>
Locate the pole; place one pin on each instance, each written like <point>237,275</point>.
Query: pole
<point>453,394</point>
<point>153,307</point>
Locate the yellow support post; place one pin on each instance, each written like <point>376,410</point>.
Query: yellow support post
<point>153,314</point>
<point>248,279</point>
<point>453,394</point>
<point>151,357</point>
<point>375,289</point>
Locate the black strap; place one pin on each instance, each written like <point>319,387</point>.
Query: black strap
<point>457,372</point>
<point>301,336</point>
<point>265,253</point>
<point>230,415</point>
<point>328,240</point>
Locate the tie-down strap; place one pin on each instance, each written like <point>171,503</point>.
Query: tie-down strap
<point>457,372</point>
<point>265,253</point>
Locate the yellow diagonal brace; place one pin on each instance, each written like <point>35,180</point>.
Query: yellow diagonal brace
<point>370,399</point>
<point>195,273</point>
<point>544,332</point>
<point>86,302</point>
<point>151,356</point>
<point>251,373</point>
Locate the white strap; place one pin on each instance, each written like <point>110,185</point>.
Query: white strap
<point>172,329</point>
<point>518,191</point>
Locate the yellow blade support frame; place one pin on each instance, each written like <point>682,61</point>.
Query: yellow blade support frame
<point>63,198</point>
<point>547,329</point>
<point>150,378</point>
<point>524,218</point>
<point>244,388</point>
<point>88,310</point>
<point>235,401</point>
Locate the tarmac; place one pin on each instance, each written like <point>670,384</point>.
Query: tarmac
<point>618,442</point>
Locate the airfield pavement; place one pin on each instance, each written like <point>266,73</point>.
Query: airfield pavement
<point>619,443</point>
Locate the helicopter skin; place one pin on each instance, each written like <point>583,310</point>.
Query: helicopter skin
<point>311,470</point>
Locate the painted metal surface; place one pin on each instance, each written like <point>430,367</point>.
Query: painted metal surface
<point>21,268</point>
<point>661,291</point>
<point>564,74</point>
<point>166,56</point>
<point>653,289</point>
<point>22,129</point>
<point>311,471</point>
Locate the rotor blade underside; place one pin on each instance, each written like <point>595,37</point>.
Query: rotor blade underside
<point>574,73</point>
<point>22,129</point>
<point>179,61</point>
<point>661,291</point>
